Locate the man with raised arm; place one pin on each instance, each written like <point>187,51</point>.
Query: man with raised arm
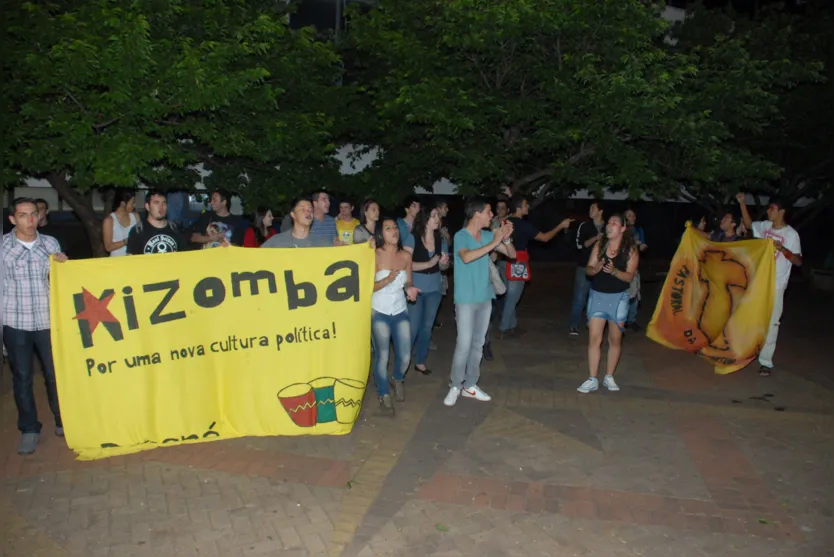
<point>788,254</point>
<point>516,273</point>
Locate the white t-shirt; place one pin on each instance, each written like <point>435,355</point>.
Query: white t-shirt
<point>789,238</point>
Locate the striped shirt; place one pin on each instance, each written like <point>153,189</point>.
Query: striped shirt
<point>325,228</point>
<point>26,284</point>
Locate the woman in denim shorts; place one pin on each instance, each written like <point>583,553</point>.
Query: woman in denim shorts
<point>611,267</point>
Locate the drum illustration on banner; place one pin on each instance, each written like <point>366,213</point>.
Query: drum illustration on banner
<point>322,401</point>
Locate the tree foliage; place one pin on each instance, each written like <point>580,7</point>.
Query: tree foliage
<point>791,55</point>
<point>114,93</point>
<point>557,95</point>
<point>549,96</point>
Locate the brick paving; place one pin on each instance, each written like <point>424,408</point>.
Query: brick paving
<point>680,462</point>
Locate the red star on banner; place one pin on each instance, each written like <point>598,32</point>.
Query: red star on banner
<point>95,310</point>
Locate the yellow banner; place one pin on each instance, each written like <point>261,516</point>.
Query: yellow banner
<point>158,350</point>
<point>717,300</point>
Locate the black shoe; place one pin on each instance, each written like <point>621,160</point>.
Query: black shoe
<point>424,371</point>
<point>765,371</point>
<point>573,331</point>
<point>488,353</point>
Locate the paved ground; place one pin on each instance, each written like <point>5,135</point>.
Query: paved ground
<point>680,462</point>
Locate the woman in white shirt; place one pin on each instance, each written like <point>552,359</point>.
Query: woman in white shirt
<point>389,316</point>
<point>117,225</point>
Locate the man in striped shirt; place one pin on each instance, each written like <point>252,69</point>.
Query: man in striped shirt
<point>324,225</point>
<point>26,255</point>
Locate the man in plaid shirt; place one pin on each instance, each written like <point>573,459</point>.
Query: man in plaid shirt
<point>26,256</point>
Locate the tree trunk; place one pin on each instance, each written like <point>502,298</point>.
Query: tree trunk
<point>807,214</point>
<point>540,195</point>
<point>83,207</point>
<point>107,199</point>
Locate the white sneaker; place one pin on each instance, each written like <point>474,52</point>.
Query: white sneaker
<point>610,384</point>
<point>590,385</point>
<point>452,397</point>
<point>476,393</point>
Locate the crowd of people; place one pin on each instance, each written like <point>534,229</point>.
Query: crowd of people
<point>488,259</point>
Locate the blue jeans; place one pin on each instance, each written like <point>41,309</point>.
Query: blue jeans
<point>384,329</point>
<point>497,303</point>
<point>473,322</point>
<point>514,290</point>
<point>581,287</point>
<point>421,316</point>
<point>632,309</point>
<point>21,346</point>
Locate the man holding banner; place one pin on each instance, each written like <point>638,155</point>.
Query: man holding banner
<point>788,254</point>
<point>26,319</point>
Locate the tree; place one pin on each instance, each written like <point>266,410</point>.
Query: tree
<point>789,55</point>
<point>800,140</point>
<point>114,93</point>
<point>552,96</point>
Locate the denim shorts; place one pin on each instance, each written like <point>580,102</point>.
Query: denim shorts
<point>611,307</point>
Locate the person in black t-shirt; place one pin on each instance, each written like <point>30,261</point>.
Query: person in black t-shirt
<point>588,234</point>
<point>611,266</point>
<point>155,234</point>
<point>516,273</point>
<point>217,225</point>
<point>45,225</point>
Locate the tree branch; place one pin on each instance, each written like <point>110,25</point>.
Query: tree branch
<point>541,195</point>
<point>817,169</point>
<point>802,216</point>
<point>759,205</point>
<point>559,52</point>
<point>76,101</point>
<point>474,60</point>
<point>584,152</point>
<point>538,175</point>
<point>688,196</point>
<point>99,127</point>
<point>698,200</point>
<point>506,68</point>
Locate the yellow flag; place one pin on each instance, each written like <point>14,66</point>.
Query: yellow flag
<point>717,300</point>
<point>159,350</point>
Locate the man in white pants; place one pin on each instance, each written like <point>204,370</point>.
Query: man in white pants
<point>788,254</point>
